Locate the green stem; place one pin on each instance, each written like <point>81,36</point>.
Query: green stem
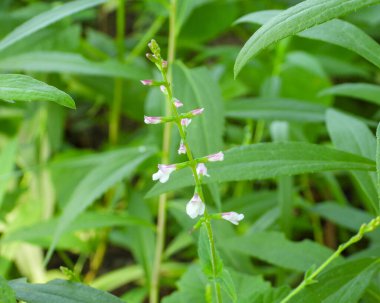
<point>161,216</point>
<point>114,123</point>
<point>310,279</point>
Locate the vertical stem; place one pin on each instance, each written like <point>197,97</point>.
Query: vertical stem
<point>161,216</point>
<point>118,88</point>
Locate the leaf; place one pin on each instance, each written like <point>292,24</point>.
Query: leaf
<point>274,248</point>
<point>60,62</point>
<point>352,135</point>
<point>197,89</point>
<point>337,32</point>
<point>205,255</point>
<point>7,160</point>
<point>341,284</point>
<point>363,91</point>
<point>378,161</point>
<point>276,109</point>
<point>294,20</point>
<point>26,89</point>
<point>269,160</point>
<point>60,291</point>
<point>7,295</point>
<point>96,182</point>
<point>45,19</point>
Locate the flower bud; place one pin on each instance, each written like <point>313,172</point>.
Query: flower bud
<point>153,45</point>
<point>147,82</point>
<point>202,170</point>
<point>164,89</point>
<point>153,120</point>
<point>185,122</point>
<point>177,103</point>
<point>216,157</point>
<point>233,217</point>
<point>198,111</point>
<point>182,148</point>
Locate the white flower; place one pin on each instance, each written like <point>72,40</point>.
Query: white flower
<point>147,82</point>
<point>195,207</point>
<point>216,157</point>
<point>185,122</point>
<point>233,217</point>
<point>164,89</point>
<point>182,148</point>
<point>152,120</point>
<point>163,172</point>
<point>177,103</point>
<point>197,111</point>
<point>202,170</point>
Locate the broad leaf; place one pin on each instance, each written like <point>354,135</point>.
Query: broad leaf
<point>96,182</point>
<point>274,248</point>
<point>294,20</point>
<point>269,160</point>
<point>47,18</point>
<point>24,88</point>
<point>7,295</point>
<point>352,135</point>
<point>60,291</point>
<point>363,91</point>
<point>335,31</point>
<point>59,62</point>
<point>276,109</point>
<point>341,284</point>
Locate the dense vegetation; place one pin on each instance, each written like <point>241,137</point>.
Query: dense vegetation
<point>268,180</point>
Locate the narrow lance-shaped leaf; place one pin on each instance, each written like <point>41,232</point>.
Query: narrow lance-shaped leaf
<point>338,32</point>
<point>47,18</point>
<point>269,160</point>
<point>378,161</point>
<point>95,183</point>
<point>294,20</point>
<point>363,91</point>
<point>60,291</point>
<point>24,88</point>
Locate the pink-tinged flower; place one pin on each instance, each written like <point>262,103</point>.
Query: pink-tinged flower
<point>147,82</point>
<point>163,172</point>
<point>185,122</point>
<point>152,120</point>
<point>164,89</point>
<point>177,103</point>
<point>182,148</point>
<point>195,207</point>
<point>233,217</point>
<point>202,170</point>
<point>216,157</point>
<point>197,111</point>
<point>164,64</point>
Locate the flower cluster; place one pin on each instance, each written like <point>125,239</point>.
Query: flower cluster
<point>195,207</point>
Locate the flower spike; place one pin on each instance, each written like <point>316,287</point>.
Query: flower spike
<point>164,172</point>
<point>195,207</point>
<point>233,217</point>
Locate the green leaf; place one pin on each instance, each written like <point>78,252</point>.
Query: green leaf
<point>294,20</point>
<point>269,160</point>
<point>96,182</point>
<point>276,109</point>
<point>60,291</point>
<point>24,88</point>
<point>197,89</point>
<point>363,91</point>
<point>47,18</point>
<point>335,31</point>
<point>352,135</point>
<point>60,62</point>
<point>7,295</point>
<point>378,161</point>
<point>7,160</point>
<point>341,284</point>
<point>274,248</point>
<point>204,252</point>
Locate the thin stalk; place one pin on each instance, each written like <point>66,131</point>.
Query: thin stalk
<point>310,279</point>
<point>161,216</point>
<point>114,123</point>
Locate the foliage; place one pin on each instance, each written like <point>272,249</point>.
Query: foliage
<point>287,95</point>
